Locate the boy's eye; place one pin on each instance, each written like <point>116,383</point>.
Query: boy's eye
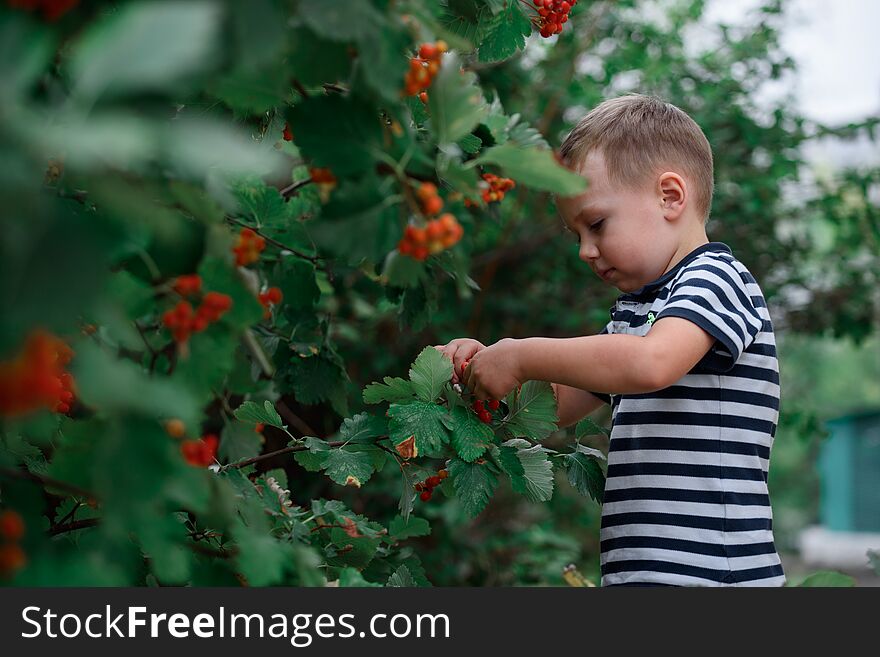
<point>596,225</point>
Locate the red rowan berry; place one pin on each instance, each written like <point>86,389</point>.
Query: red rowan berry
<point>12,558</point>
<point>287,134</point>
<point>175,428</point>
<point>11,526</point>
<point>485,417</point>
<point>259,427</point>
<point>425,496</point>
<point>478,406</point>
<point>433,481</point>
<point>442,474</point>
<point>494,404</point>
<point>187,285</point>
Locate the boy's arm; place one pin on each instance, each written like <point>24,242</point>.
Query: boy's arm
<point>573,404</point>
<point>619,364</point>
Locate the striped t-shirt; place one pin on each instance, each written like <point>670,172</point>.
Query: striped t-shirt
<point>686,499</point>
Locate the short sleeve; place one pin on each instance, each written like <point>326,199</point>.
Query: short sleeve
<point>712,294</point>
<point>601,395</point>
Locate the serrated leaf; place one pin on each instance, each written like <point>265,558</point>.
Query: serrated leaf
<point>422,420</point>
<point>532,411</point>
<point>536,481</point>
<point>474,483</point>
<point>362,428</point>
<point>348,468</point>
<point>586,475</point>
<point>394,389</point>
<point>401,578</point>
<point>470,437</point>
<point>588,427</point>
<point>315,458</point>
<point>505,34</point>
<point>456,101</point>
<point>591,451</point>
<point>253,412</point>
<point>400,528</point>
<point>407,494</point>
<point>402,271</point>
<point>239,441</point>
<point>429,373</point>
<point>533,167</point>
<point>470,144</point>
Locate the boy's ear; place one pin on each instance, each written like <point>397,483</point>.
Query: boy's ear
<point>673,194</point>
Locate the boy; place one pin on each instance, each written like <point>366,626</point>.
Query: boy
<point>688,360</point>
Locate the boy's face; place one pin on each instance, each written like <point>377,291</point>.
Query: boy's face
<point>623,234</point>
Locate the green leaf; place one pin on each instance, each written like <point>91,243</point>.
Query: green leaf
<point>251,92</point>
<point>253,412</point>
<point>474,483</point>
<point>382,63</point>
<point>401,528</point>
<point>239,441</point>
<point>422,420</point>
<point>145,46</point>
<point>532,411</point>
<point>588,427</point>
<point>429,373</point>
<point>505,34</point>
<point>299,286</point>
<point>348,468</point>
<point>315,60</point>
<point>456,101</point>
<point>470,143</point>
<point>261,203</point>
<point>407,493</point>
<point>401,578</point>
<point>316,379</point>
<point>336,132</point>
<point>351,578</point>
<point>402,271</point>
<point>344,21</point>
<point>536,481</point>
<point>394,389</point>
<point>585,474</point>
<point>533,167</point>
<point>827,579</point>
<point>315,458</point>
<point>362,428</point>
<point>470,437</point>
<point>592,452</point>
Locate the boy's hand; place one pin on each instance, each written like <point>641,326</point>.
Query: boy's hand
<point>494,371</point>
<point>458,351</point>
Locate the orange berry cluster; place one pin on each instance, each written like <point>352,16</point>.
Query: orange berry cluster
<point>429,199</point>
<point>423,68</point>
<point>36,378</point>
<point>12,557</point>
<point>426,487</point>
<point>493,189</point>
<point>187,285</point>
<point>183,321</point>
<point>248,248</point>
<point>325,180</point>
<point>552,14</point>
<point>271,297</point>
<point>52,9</point>
<point>441,233</point>
<point>201,452</point>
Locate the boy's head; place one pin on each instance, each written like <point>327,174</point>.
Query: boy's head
<point>649,168</point>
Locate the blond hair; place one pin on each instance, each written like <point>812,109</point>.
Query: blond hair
<point>642,136</point>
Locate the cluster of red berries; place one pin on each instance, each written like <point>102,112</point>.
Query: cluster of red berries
<point>426,487</point>
<point>441,233</point>
<point>201,452</point>
<point>52,9</point>
<point>325,181</point>
<point>12,557</point>
<point>271,297</point>
<point>493,189</point>
<point>484,413</point>
<point>287,133</point>
<point>183,321</point>
<point>552,14</point>
<point>248,248</point>
<point>423,68</point>
<point>429,199</point>
<point>36,378</point>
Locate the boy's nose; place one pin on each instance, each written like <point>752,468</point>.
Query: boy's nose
<point>588,251</point>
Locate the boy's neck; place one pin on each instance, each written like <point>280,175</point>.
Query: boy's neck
<point>690,241</point>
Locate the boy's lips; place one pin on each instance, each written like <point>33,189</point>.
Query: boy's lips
<point>604,273</point>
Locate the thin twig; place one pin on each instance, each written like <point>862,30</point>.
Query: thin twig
<point>278,452</point>
<point>294,419</point>
<point>46,481</point>
<point>280,245</point>
<point>73,526</point>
